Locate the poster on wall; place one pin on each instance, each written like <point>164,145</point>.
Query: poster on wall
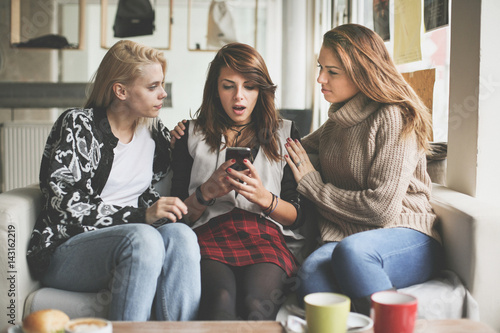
<point>435,14</point>
<point>381,19</point>
<point>407,25</point>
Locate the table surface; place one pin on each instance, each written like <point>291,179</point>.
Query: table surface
<point>199,327</point>
<point>422,326</point>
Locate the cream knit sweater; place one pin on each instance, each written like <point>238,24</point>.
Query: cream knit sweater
<point>368,177</point>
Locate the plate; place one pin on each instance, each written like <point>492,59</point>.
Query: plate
<point>357,322</point>
<point>15,329</point>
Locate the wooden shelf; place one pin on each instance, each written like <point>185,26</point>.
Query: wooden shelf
<point>15,27</point>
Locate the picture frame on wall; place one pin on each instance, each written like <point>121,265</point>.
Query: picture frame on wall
<point>214,23</point>
<point>161,36</point>
<point>381,19</point>
<point>436,14</point>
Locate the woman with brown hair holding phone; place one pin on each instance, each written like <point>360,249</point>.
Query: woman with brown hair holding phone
<point>242,218</point>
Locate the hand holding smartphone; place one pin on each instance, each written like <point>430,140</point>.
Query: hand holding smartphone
<point>239,154</point>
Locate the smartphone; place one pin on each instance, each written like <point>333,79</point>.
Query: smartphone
<point>239,154</point>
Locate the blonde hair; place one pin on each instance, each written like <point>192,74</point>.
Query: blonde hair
<point>123,63</point>
<point>368,64</point>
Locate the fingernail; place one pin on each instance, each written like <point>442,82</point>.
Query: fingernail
<point>229,170</point>
<point>233,161</point>
<point>287,145</point>
<point>286,156</point>
<point>296,140</point>
<point>245,160</point>
<point>289,139</point>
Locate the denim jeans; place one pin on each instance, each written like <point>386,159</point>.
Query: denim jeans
<point>138,265</point>
<point>371,261</point>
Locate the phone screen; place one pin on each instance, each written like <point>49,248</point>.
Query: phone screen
<point>239,154</point>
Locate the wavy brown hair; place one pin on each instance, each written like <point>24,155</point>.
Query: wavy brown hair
<point>213,121</point>
<point>368,64</point>
<point>123,63</point>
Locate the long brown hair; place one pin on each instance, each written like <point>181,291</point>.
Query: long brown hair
<point>368,64</point>
<point>213,121</point>
<point>123,63</point>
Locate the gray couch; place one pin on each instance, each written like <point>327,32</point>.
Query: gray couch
<point>467,288</point>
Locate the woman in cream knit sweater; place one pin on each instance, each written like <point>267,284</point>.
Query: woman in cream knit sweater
<point>371,189</point>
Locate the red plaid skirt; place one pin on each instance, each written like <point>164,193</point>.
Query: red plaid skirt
<point>241,238</point>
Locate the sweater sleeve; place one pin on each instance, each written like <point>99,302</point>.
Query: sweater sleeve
<point>379,201</point>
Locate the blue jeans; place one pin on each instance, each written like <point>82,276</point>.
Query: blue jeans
<point>138,265</point>
<point>371,261</point>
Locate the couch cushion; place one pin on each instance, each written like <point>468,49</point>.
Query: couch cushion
<point>444,297</point>
<point>74,304</point>
<point>470,229</point>
<point>18,211</point>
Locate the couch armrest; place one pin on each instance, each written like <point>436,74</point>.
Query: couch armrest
<point>19,209</point>
<point>470,229</point>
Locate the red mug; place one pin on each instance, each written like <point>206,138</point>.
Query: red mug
<point>393,312</point>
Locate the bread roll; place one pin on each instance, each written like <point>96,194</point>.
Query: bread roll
<point>45,321</point>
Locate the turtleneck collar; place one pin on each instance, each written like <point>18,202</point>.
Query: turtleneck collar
<point>354,111</point>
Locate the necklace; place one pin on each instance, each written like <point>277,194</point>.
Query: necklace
<point>238,132</point>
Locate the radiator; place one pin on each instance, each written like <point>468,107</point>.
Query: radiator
<point>21,152</point>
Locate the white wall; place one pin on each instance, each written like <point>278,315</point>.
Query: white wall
<point>473,154</point>
<point>488,181</point>
<point>295,54</point>
<point>186,69</point>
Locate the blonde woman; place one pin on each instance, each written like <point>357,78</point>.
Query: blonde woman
<point>372,189</point>
<point>103,224</point>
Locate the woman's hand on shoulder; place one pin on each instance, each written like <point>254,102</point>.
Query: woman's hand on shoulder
<point>177,132</point>
<point>248,184</point>
<point>171,208</point>
<point>297,159</point>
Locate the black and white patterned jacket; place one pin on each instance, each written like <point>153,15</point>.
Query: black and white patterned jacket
<point>75,166</point>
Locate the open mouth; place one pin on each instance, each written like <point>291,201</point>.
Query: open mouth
<point>239,109</point>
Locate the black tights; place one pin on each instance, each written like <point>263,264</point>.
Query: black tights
<point>253,292</point>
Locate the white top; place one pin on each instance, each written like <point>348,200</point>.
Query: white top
<point>132,170</point>
<point>205,162</point>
